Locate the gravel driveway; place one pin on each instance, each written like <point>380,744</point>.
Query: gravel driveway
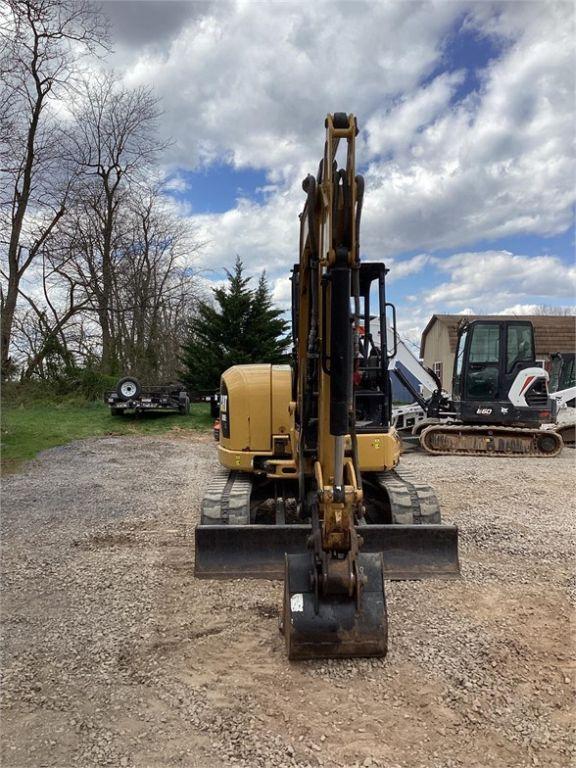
<point>113,653</point>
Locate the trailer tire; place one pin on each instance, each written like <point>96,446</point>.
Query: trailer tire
<point>184,406</point>
<point>128,388</point>
<point>117,411</point>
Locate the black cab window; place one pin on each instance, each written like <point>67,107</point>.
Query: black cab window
<point>485,346</point>
<point>460,352</point>
<point>519,348</point>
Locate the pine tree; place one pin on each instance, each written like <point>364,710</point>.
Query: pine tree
<point>240,326</point>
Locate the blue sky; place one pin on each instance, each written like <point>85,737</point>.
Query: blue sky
<point>466,113</point>
<point>467,49</point>
<point>217,187</point>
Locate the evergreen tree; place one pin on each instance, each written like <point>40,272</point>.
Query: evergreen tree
<point>240,326</point>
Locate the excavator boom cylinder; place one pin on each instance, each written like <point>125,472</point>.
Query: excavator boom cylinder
<point>340,349</point>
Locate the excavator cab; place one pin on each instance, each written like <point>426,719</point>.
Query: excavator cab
<point>491,356</point>
<point>499,396</point>
<point>371,380</point>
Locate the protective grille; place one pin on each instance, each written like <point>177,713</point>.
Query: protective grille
<point>537,395</point>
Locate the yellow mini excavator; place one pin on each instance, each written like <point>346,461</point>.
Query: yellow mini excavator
<point>309,488</point>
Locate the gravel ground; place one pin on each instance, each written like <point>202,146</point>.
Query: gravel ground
<point>113,654</point>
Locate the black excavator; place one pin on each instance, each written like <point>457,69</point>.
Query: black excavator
<point>499,398</point>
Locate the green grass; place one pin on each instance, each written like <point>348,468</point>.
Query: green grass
<point>28,428</point>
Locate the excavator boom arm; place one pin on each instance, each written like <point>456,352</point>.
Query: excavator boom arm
<point>334,596</point>
<point>328,256</point>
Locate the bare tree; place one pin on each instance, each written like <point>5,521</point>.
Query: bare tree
<point>116,143</point>
<point>547,309</point>
<point>63,299</point>
<point>156,289</point>
<point>41,43</point>
<point>152,287</point>
<point>93,260</point>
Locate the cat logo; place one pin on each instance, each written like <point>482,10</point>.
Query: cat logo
<point>483,411</point>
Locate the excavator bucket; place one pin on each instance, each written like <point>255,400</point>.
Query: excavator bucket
<point>333,626</point>
<point>258,551</point>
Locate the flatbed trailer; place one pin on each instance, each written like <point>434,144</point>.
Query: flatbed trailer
<point>132,397</point>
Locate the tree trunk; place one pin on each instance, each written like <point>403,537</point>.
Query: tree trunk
<point>7,322</point>
<point>20,203</point>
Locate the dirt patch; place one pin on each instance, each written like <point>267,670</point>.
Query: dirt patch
<point>114,654</point>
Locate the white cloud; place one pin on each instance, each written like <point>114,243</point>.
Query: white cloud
<point>250,84</point>
<point>489,281</point>
<point>175,183</point>
<point>264,236</point>
<point>538,309</point>
<point>498,163</point>
<point>410,325</point>
<point>520,309</point>
<point>282,292</point>
<point>396,128</point>
<point>405,267</point>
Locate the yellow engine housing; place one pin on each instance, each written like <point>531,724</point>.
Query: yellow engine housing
<point>257,428</point>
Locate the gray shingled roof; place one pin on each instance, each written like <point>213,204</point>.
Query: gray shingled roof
<point>552,333</point>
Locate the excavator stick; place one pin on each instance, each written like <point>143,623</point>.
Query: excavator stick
<point>318,625</point>
<point>259,551</point>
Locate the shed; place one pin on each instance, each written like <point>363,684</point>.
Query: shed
<point>553,334</point>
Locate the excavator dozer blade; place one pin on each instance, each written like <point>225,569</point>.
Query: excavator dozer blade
<point>333,626</point>
<point>258,551</point>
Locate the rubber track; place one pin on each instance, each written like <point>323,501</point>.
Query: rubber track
<point>227,499</point>
<point>498,434</point>
<point>411,502</point>
<point>567,432</point>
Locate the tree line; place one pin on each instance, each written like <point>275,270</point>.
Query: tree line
<point>97,270</point>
